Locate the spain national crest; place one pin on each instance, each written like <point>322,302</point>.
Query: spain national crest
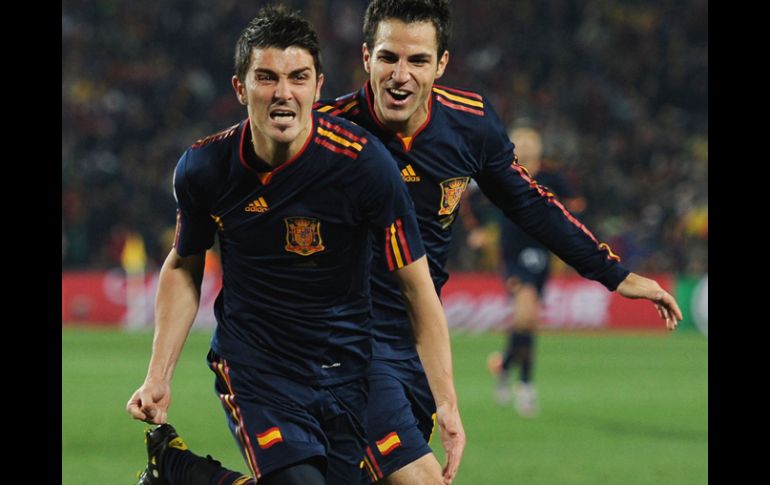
<point>451,191</point>
<point>303,235</point>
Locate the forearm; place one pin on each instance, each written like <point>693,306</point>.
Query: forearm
<point>176,305</point>
<point>431,335</point>
<point>434,349</point>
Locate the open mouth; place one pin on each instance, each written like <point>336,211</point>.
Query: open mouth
<point>282,116</point>
<point>398,94</point>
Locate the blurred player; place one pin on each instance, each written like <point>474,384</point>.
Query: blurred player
<point>442,138</point>
<point>293,195</point>
<point>526,267</point>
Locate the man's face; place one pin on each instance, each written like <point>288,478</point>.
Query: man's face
<point>279,89</point>
<point>402,66</point>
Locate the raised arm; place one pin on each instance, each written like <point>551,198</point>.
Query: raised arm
<point>176,305</point>
<point>432,339</point>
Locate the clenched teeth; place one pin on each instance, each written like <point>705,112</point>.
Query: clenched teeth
<point>282,115</point>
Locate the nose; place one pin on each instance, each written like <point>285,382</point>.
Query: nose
<point>400,72</point>
<point>282,90</point>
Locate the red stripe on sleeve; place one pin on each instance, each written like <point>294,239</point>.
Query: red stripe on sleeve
<point>459,107</point>
<point>551,199</point>
<point>388,250</point>
<point>178,227</point>
<point>459,91</point>
<point>336,149</point>
<point>342,131</point>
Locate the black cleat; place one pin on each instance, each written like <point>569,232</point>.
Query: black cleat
<point>158,441</point>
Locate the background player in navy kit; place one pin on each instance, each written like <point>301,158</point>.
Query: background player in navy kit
<point>441,138</point>
<point>293,195</point>
<point>526,268</point>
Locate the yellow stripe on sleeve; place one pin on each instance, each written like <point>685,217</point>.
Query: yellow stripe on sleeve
<point>460,99</point>
<point>394,245</point>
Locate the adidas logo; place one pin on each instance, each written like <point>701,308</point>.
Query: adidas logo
<point>257,205</point>
<point>408,174</point>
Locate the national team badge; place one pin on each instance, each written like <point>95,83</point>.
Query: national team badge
<point>303,235</point>
<point>451,191</point>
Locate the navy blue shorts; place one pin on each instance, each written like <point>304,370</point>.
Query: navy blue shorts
<point>400,417</point>
<point>530,265</point>
<point>277,421</point>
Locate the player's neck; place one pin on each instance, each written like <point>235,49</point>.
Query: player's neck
<point>275,153</point>
<point>408,127</point>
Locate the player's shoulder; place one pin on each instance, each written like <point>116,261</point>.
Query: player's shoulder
<point>210,146</point>
<point>210,155</point>
<point>465,107</point>
<point>347,105</point>
<point>359,148</point>
<point>342,136</point>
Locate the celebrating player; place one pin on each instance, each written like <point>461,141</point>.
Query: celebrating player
<point>293,195</point>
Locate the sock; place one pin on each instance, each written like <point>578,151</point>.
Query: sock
<point>512,350</point>
<point>525,344</point>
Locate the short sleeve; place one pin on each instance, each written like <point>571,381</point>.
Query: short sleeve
<point>195,227</point>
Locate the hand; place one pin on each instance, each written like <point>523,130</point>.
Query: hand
<point>150,403</point>
<point>636,286</point>
<point>452,438</point>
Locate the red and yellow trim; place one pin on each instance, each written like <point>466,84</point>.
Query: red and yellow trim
<point>229,403</point>
<point>178,230</point>
<point>467,94</point>
<point>459,100</point>
<point>265,177</point>
<point>396,247</point>
<point>216,136</point>
<point>551,198</point>
<point>610,254</point>
<point>339,140</point>
<point>340,105</point>
<point>371,465</point>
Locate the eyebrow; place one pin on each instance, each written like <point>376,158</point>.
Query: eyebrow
<point>418,56</point>
<point>263,70</point>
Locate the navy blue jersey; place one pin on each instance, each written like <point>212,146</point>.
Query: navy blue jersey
<point>513,239</point>
<point>296,245</point>
<point>461,139</point>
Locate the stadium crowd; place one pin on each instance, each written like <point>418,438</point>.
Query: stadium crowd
<point>618,89</point>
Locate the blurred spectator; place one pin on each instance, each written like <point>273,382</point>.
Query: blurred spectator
<point>619,90</point>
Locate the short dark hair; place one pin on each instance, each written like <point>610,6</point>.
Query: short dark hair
<point>276,26</point>
<point>409,11</point>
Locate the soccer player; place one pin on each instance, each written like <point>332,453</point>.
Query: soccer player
<point>526,269</point>
<point>441,138</point>
<point>293,195</point>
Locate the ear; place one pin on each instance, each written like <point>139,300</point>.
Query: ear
<point>318,87</point>
<point>240,90</point>
<point>442,62</point>
<point>366,56</point>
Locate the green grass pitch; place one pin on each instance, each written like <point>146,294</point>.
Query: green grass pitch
<point>615,408</point>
